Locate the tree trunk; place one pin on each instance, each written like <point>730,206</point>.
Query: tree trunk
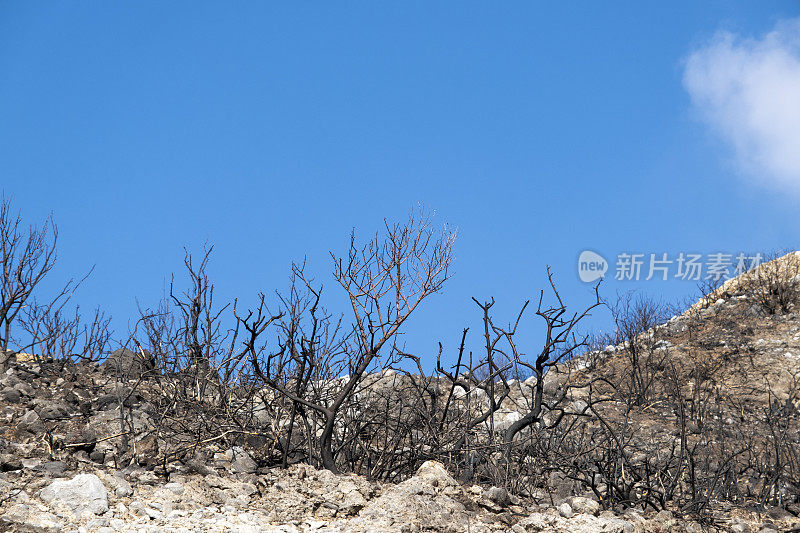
<point>326,445</point>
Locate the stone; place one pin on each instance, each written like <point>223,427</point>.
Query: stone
<point>54,468</point>
<point>126,395</point>
<point>51,410</point>
<point>30,422</point>
<point>740,527</point>
<point>580,505</point>
<point>9,462</point>
<point>565,510</point>
<point>499,496</point>
<point>664,515</point>
<point>241,462</point>
<point>6,358</point>
<point>197,465</point>
<point>120,485</point>
<point>125,362</point>
<point>24,389</point>
<point>539,522</point>
<point>97,523</point>
<point>578,406</point>
<point>620,526</point>
<point>153,513</point>
<point>435,474</point>
<point>351,500</point>
<point>84,492</point>
<point>22,517</point>
<point>430,500</point>
<point>137,508</point>
<point>30,463</point>
<point>10,395</point>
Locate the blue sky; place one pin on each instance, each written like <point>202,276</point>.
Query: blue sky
<point>271,130</point>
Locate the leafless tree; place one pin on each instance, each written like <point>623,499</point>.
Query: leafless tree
<point>201,360</point>
<point>635,318</point>
<point>479,387</point>
<point>560,343</point>
<point>59,337</point>
<point>308,359</point>
<point>485,377</point>
<point>385,281</point>
<point>27,255</point>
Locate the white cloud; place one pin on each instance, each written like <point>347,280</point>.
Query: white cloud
<point>748,91</point>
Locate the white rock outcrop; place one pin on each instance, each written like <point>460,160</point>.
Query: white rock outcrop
<point>84,492</point>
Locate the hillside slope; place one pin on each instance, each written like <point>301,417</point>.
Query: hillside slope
<point>689,424</point>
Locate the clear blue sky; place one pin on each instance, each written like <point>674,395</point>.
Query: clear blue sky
<point>539,130</point>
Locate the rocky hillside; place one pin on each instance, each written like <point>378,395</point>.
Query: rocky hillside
<point>685,425</point>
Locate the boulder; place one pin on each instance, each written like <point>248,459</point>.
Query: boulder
<point>236,460</point>
<point>430,500</point>
<point>499,496</point>
<point>241,462</point>
<point>54,468</point>
<point>30,422</point>
<point>433,473</point>
<point>84,492</point>
<point>10,395</point>
<point>580,504</point>
<point>125,362</point>
<point>9,462</point>
<point>120,485</point>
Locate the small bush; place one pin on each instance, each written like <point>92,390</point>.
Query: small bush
<point>775,284</point>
